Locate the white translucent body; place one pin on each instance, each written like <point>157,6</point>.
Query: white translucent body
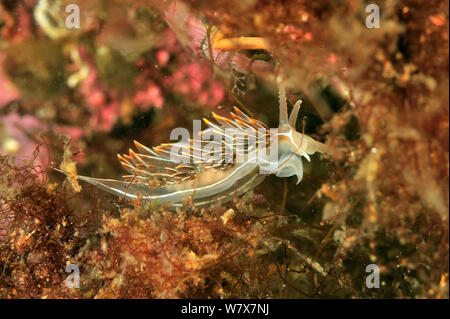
<point>212,185</point>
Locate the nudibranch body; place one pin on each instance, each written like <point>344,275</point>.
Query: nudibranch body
<point>156,175</point>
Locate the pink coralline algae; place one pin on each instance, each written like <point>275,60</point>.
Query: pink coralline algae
<point>18,26</point>
<point>163,57</point>
<point>194,81</point>
<point>149,97</point>
<point>104,105</point>
<point>20,138</point>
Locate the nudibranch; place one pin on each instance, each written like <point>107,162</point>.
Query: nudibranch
<point>156,176</point>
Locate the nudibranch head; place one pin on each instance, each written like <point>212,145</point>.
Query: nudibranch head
<point>292,145</point>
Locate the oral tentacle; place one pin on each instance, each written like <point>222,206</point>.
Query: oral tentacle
<point>283,105</point>
<point>294,114</point>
